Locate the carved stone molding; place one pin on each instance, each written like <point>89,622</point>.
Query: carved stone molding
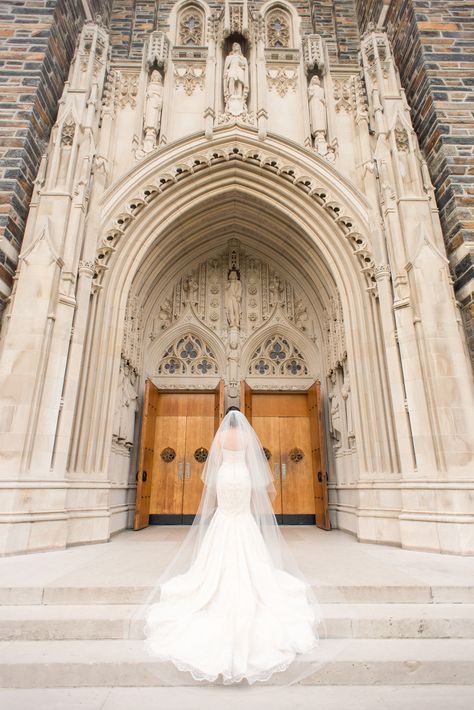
<point>86,267</point>
<point>401,139</point>
<point>67,133</point>
<point>282,79</point>
<point>335,334</point>
<point>382,271</point>
<point>260,159</point>
<point>128,89</point>
<point>189,77</point>
<point>157,51</point>
<point>344,94</point>
<point>313,53</point>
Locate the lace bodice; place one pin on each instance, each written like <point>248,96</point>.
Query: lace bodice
<point>233,483</point>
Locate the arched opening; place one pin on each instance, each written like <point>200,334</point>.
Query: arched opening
<point>169,223</point>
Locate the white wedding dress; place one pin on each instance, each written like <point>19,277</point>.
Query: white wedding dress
<point>232,613</point>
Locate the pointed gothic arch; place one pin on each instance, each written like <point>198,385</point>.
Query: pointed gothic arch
<point>272,188</point>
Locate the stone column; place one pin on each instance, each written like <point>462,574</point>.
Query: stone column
<point>436,373</point>
<point>35,348</point>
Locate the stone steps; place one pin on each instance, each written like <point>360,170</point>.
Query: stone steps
<point>113,663</point>
<point>408,697</point>
<point>327,594</point>
<point>42,622</point>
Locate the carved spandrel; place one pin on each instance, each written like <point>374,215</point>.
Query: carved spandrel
<point>261,289</point>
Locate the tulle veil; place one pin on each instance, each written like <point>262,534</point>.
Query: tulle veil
<point>236,433</point>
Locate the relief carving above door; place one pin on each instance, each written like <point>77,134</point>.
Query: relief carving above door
<point>233,315</point>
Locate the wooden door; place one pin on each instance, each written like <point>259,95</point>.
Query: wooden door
<point>321,503</point>
<point>268,431</point>
<point>296,468</point>
<point>146,456</point>
<point>218,404</point>
<point>170,446</point>
<point>246,400</point>
<point>290,425</point>
<point>199,434</point>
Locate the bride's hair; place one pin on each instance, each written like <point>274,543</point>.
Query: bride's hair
<point>232,422</point>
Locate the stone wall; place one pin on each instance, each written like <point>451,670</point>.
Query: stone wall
<point>433,42</point>
<point>37,43</point>
<point>336,22</point>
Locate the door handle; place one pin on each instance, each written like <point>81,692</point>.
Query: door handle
<point>277,472</point>
<point>188,471</point>
<point>283,471</point>
<point>180,471</point>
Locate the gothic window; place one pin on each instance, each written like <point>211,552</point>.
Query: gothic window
<point>188,355</point>
<point>277,356</point>
<point>191,27</point>
<point>278,28</point>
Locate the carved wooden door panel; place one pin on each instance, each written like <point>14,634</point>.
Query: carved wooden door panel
<point>296,468</point>
<point>170,446</point>
<point>146,457</point>
<point>268,431</point>
<point>321,504</point>
<point>199,434</point>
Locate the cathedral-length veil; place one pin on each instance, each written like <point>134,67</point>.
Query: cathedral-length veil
<point>199,547</point>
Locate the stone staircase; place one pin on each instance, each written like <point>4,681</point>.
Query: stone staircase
<point>90,637</point>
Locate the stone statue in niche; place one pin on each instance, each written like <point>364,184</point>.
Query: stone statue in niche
<point>129,407</point>
<point>335,412</point>
<point>346,396</point>
<point>276,289</point>
<point>301,315</point>
<point>317,114</point>
<point>153,106</point>
<point>126,405</point>
<point>233,298</point>
<point>190,289</point>
<point>118,404</point>
<point>236,81</point>
<point>165,315</point>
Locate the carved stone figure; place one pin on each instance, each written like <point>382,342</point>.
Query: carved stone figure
<point>153,106</point>
<point>166,313</point>
<point>233,298</point>
<point>118,405</point>
<point>317,114</point>
<point>236,81</point>
<point>301,315</point>
<point>190,288</point>
<point>129,406</point>
<point>276,289</point>
<point>346,396</point>
<point>335,412</point>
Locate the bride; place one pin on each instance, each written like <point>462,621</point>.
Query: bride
<point>233,604</point>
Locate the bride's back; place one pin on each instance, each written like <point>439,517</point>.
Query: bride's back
<point>233,439</point>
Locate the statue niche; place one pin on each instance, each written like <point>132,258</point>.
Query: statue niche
<point>236,81</point>
<point>153,107</point>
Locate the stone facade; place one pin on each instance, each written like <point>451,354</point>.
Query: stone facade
<point>37,42</point>
<point>433,44</point>
<point>235,192</point>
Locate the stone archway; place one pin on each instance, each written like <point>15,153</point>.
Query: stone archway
<point>281,203</point>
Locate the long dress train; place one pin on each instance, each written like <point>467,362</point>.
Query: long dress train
<point>233,613</point>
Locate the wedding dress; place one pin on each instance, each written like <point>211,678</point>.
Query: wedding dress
<point>235,611</point>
